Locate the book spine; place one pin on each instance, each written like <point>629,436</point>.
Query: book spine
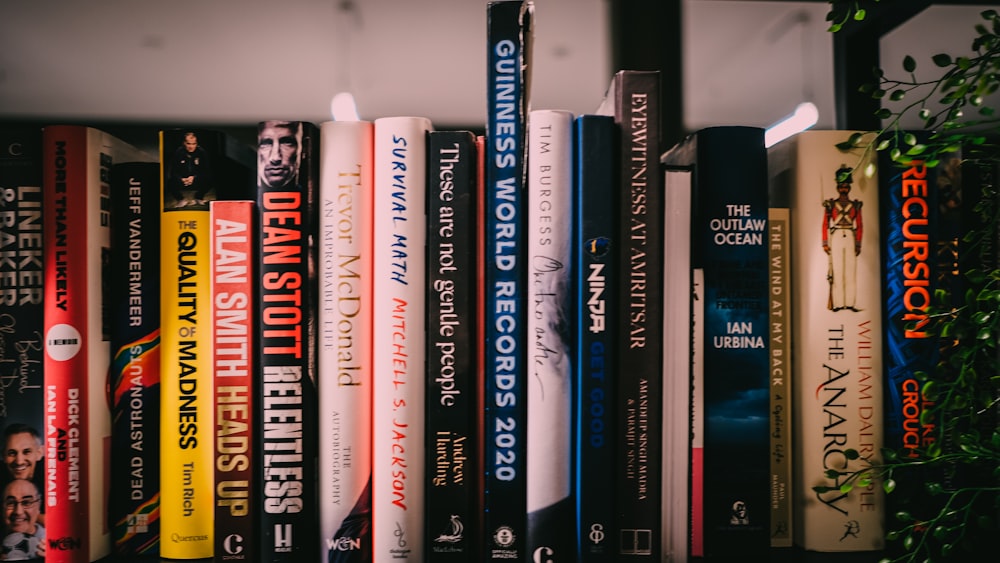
<point>549,346</point>
<point>509,27</point>
<point>595,234</point>
<point>640,361</point>
<point>677,362</point>
<point>837,353</point>
<point>729,236</point>
<point>287,188</point>
<point>779,313</point>
<point>345,340</point>
<point>232,238</point>
<point>399,341</point>
<point>479,541</point>
<point>921,216</point>
<point>77,166</point>
<point>451,395</point>
<point>923,223</point>
<point>21,323</point>
<point>134,271</point>
<point>696,482</point>
<point>187,456</point>
<point>22,232</point>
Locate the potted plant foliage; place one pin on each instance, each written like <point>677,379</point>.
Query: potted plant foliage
<point>960,467</point>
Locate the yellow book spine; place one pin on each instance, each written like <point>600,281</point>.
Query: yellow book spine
<point>186,453</point>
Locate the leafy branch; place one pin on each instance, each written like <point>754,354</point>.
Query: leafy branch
<point>954,102</point>
<point>959,465</point>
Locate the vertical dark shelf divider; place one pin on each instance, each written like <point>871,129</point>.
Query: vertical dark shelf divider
<point>856,55</point>
<point>646,35</point>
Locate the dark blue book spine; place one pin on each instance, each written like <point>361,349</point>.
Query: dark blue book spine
<point>921,229</point>
<point>729,245</point>
<point>451,489</point>
<point>505,489</point>
<point>925,213</point>
<point>135,357</point>
<point>595,253</point>
<point>730,231</point>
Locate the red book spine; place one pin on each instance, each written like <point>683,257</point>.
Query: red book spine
<point>233,277</point>
<point>75,233</point>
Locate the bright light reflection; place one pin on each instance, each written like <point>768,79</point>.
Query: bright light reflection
<point>805,116</point>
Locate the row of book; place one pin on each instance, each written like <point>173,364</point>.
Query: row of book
<point>738,333</point>
<point>772,327</point>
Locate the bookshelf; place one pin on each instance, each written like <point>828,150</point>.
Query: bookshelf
<point>646,35</point>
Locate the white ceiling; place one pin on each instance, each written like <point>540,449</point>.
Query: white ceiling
<point>236,62</point>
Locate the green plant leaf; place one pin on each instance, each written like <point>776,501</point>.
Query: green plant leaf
<point>942,59</point>
<point>909,63</point>
<point>929,390</point>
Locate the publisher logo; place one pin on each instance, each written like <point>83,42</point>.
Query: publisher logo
<point>343,544</point>
<point>542,555</point>
<point>282,538</point>
<point>233,544</point>
<point>177,538</point>
<point>62,342</point>
<point>596,534</point>
<point>504,536</point>
<point>67,543</point>
<point>598,247</point>
<point>454,532</point>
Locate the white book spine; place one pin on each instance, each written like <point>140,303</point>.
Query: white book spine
<point>399,292</point>
<point>345,336</point>
<point>837,351</point>
<point>676,363</point>
<point>550,397</point>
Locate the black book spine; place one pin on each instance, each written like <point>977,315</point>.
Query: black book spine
<point>451,484</point>
<point>134,283</point>
<point>287,183</point>
<point>639,395</point>
<point>22,269</point>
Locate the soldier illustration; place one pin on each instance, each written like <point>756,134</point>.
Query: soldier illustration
<point>842,232</point>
